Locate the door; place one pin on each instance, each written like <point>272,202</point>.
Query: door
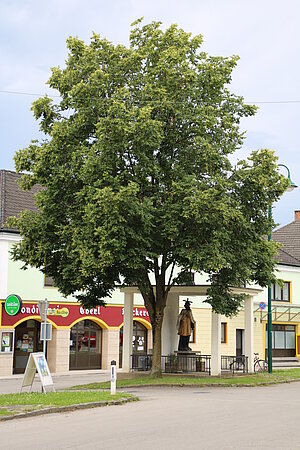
<point>27,341</point>
<point>85,346</point>
<point>239,342</point>
<point>139,343</point>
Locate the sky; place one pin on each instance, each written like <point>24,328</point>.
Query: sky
<point>264,33</point>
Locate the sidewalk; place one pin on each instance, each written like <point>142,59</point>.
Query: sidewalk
<point>12,384</point>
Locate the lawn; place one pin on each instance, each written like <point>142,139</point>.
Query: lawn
<point>12,404</point>
<point>278,376</point>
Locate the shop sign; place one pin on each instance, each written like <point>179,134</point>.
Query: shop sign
<point>90,312</point>
<point>13,304</point>
<point>62,312</point>
<point>138,312</point>
<point>52,311</point>
<point>66,314</point>
<point>37,362</point>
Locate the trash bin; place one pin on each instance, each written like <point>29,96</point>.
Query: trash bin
<point>142,362</point>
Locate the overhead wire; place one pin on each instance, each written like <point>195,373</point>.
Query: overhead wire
<point>2,91</point>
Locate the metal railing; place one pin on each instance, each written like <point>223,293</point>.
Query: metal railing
<point>141,362</point>
<point>187,362</point>
<point>193,362</point>
<point>175,363</point>
<point>234,364</point>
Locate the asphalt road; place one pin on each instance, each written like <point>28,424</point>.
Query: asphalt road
<point>171,419</point>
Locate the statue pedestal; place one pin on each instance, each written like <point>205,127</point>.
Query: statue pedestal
<point>188,360</point>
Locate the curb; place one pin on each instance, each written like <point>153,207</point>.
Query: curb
<point>61,409</point>
<point>171,385</point>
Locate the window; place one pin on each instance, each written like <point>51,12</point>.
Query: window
<point>7,339</point>
<point>224,332</point>
<point>281,293</point>
<point>48,281</point>
<point>85,345</point>
<point>193,335</point>
<point>139,338</point>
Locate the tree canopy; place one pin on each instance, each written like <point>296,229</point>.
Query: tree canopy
<point>137,179</point>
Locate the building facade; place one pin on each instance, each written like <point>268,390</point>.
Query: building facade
<point>91,338</point>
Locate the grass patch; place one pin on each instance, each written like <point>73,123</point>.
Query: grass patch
<point>16,404</point>
<point>58,398</point>
<point>5,412</point>
<point>278,376</point>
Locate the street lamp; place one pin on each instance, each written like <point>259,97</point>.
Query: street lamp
<point>290,188</point>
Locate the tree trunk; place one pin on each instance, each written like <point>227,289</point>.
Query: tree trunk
<point>155,303</point>
<point>156,352</point>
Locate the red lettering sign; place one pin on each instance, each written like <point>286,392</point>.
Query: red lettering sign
<point>65,314</point>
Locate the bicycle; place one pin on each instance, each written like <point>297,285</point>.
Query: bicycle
<point>260,365</point>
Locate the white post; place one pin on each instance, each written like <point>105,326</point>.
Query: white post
<point>113,377</point>
<point>249,333</point>
<point>215,344</point>
<point>127,332</point>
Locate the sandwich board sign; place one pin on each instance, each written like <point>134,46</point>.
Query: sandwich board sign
<point>37,363</point>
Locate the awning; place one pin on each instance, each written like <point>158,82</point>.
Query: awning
<point>281,313</point>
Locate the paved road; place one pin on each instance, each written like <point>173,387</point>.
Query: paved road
<point>171,419</point>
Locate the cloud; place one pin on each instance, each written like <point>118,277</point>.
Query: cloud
<point>265,34</point>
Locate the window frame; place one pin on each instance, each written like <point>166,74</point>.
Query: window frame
<point>224,335</point>
<point>49,284</point>
<point>275,287</point>
<point>193,335</point>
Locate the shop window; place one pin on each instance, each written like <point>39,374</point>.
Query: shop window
<point>224,333</point>
<point>281,293</point>
<point>283,339</point>
<point>7,339</point>
<point>139,338</point>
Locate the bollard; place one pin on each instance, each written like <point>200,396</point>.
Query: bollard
<point>113,377</point>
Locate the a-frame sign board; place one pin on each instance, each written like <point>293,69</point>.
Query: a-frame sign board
<point>37,363</point>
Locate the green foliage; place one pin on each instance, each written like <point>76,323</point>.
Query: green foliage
<point>136,174</point>
<point>172,358</point>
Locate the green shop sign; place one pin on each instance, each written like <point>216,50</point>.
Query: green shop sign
<point>12,305</point>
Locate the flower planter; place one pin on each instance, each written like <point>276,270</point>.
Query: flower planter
<point>173,367</point>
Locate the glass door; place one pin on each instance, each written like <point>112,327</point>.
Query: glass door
<point>26,342</point>
<point>85,346</point>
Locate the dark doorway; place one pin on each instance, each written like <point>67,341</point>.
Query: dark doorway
<point>239,342</point>
<point>27,340</point>
<point>85,346</point>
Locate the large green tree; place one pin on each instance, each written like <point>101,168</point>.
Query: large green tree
<point>137,184</point>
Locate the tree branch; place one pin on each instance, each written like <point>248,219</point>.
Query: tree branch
<point>156,269</point>
<point>170,278</point>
